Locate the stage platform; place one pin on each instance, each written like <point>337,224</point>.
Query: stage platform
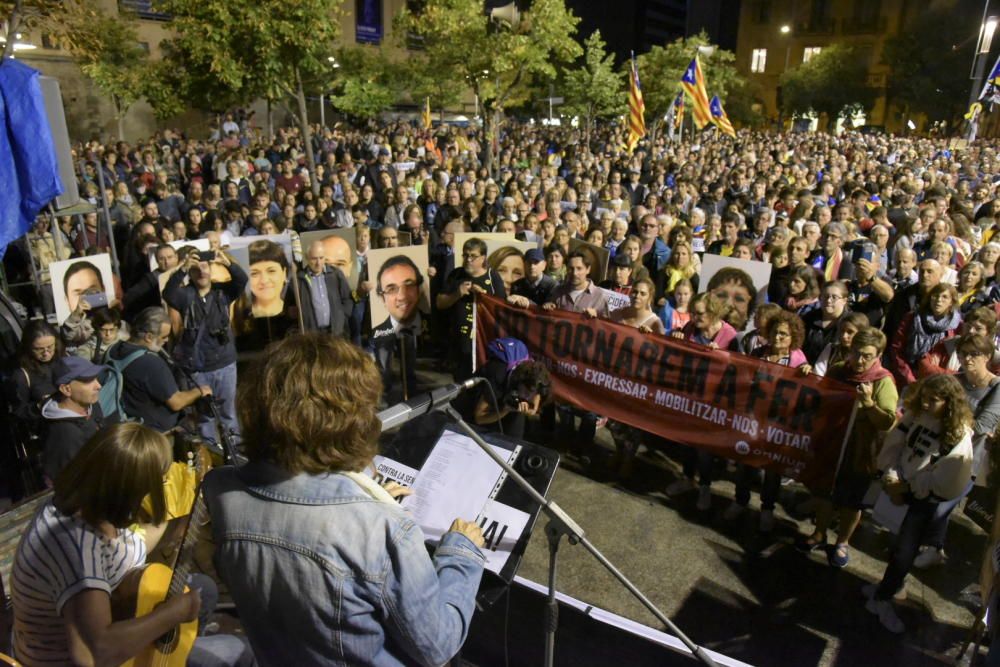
<point>745,595</point>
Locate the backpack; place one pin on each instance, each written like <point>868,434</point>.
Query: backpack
<point>112,386</point>
<point>511,351</point>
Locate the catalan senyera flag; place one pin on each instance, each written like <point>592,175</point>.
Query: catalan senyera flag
<point>720,118</point>
<point>693,83</point>
<point>636,109</point>
<point>425,115</point>
<point>679,110</point>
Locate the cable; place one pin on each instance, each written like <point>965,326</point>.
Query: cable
<point>496,405</point>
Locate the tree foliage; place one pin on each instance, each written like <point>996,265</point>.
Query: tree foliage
<point>499,64</point>
<point>594,89</point>
<point>273,49</point>
<point>661,69</point>
<point>929,60</point>
<point>107,50</point>
<point>367,81</point>
<point>833,83</point>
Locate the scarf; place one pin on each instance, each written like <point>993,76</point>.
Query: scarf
<point>842,371</point>
<point>371,487</point>
<point>927,330</point>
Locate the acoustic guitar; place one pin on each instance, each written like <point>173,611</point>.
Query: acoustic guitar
<point>158,583</point>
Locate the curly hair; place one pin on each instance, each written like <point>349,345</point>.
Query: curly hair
<point>957,418</point>
<point>310,405</point>
<point>794,324</point>
<point>715,307</point>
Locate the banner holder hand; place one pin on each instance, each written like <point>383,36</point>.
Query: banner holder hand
<point>562,524</point>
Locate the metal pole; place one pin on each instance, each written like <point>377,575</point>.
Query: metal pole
<point>322,111</point>
<point>107,219</point>
<point>977,80</point>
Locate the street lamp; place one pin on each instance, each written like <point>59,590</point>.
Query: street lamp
<point>785,29</point>
<point>986,31</point>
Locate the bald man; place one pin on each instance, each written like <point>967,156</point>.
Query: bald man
<point>325,293</point>
<point>338,254</point>
<point>929,274</point>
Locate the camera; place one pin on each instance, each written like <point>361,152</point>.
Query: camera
<point>206,255</point>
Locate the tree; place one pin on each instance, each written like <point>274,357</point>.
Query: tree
<point>367,81</point>
<point>273,49</point>
<point>499,63</point>
<point>928,62</point>
<point>594,89</point>
<point>661,69</point>
<point>833,83</point>
<point>107,50</point>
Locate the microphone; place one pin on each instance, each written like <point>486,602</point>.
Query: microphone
<point>420,405</point>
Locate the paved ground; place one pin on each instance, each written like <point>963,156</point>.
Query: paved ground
<point>743,594</point>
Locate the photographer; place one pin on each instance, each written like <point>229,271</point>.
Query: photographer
<point>520,393</point>
<point>205,346</point>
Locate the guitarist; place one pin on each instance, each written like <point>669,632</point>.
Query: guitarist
<point>78,550</point>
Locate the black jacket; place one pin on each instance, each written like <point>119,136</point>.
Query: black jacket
<point>65,434</point>
<point>338,291</point>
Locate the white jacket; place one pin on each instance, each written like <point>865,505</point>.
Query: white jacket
<point>913,453</point>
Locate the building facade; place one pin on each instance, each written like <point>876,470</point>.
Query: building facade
<point>776,36</point>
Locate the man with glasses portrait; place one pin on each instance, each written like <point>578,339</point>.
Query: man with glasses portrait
<point>398,337</point>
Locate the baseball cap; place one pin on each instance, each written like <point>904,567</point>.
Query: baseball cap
<point>72,368</point>
<point>534,256</point>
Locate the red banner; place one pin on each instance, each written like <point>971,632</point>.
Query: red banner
<point>752,411</point>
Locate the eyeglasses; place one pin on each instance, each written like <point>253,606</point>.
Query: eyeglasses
<point>393,290</point>
<point>833,297</point>
<point>470,255</point>
<point>864,356</point>
<point>47,348</point>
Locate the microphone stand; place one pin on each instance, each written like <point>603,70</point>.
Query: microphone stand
<point>562,525</point>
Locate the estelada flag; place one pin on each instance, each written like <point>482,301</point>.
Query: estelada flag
<point>636,109</point>
<point>720,118</point>
<point>693,83</point>
<point>425,115</point>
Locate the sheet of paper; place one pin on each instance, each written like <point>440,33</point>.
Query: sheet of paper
<point>388,470</point>
<point>455,481</point>
<point>502,526</point>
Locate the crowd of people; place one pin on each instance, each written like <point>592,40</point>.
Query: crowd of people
<point>883,275</point>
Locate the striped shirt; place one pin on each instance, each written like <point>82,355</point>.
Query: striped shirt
<point>58,557</point>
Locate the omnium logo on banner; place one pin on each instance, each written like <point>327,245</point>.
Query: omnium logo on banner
<point>756,412</point>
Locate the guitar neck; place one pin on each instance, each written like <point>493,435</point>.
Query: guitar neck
<point>185,553</point>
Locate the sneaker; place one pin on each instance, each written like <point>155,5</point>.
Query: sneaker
<point>930,557</point>
<point>766,521</point>
<point>704,499</point>
<point>734,511</point>
<point>887,615</point>
<point>838,555</point>
<point>680,487</point>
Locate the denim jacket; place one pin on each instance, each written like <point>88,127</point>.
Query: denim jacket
<point>323,573</point>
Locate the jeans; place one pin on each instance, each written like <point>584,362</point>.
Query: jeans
<point>768,491</point>
<point>223,384</point>
<point>700,461</point>
<point>567,426</point>
<point>916,525</point>
<point>939,527</point>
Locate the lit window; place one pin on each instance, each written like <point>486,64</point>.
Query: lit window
<point>810,52</point>
<point>758,60</point>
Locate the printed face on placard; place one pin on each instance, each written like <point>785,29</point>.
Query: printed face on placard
<point>399,287</point>
<point>338,254</point>
<point>81,278</point>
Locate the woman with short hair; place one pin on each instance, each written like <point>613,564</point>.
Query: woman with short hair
<point>304,533</point>
<point>875,415</point>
